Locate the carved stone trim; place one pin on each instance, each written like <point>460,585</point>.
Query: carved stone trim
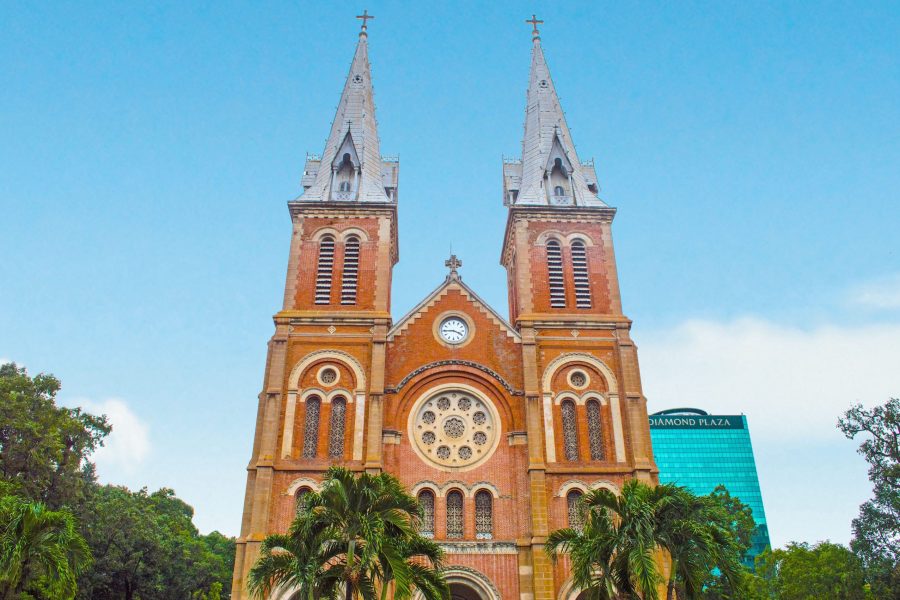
<point>454,363</point>
<point>478,548</point>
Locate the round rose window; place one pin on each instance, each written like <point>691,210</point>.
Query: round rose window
<point>454,428</point>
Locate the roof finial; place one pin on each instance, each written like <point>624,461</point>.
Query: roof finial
<point>535,34</point>
<point>365,17</point>
<point>453,264</point>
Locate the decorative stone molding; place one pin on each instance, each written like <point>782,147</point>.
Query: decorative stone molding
<point>478,548</point>
<point>455,363</point>
<point>337,355</point>
<point>560,361</point>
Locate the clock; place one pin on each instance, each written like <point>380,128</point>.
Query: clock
<point>454,330</point>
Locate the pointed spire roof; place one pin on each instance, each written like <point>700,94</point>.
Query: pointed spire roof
<point>354,131</point>
<point>547,138</point>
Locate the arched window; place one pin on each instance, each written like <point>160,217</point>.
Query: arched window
<point>454,515</point>
<point>559,191</point>
<point>344,186</point>
<point>595,430</point>
<point>580,272</point>
<point>426,504</point>
<point>351,270</point>
<point>570,430</point>
<point>575,510</point>
<point>336,435</point>
<point>326,265</point>
<point>484,515</point>
<point>555,273</point>
<point>311,429</point>
<point>299,496</point>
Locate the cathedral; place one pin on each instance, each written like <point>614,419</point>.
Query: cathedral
<point>496,424</point>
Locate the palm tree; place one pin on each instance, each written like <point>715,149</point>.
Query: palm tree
<point>613,553</point>
<point>40,549</point>
<point>357,537</point>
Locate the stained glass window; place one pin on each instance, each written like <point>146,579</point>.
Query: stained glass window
<point>484,515</point>
<point>595,430</point>
<point>323,274</point>
<point>454,515</point>
<point>426,503</point>
<point>311,430</point>
<point>576,513</point>
<point>570,430</point>
<point>338,418</point>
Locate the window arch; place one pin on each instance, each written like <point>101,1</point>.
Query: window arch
<point>595,430</point>
<point>325,268</point>
<point>299,497</point>
<point>311,428</point>
<point>559,191</point>
<point>574,509</point>
<point>484,515</point>
<point>336,435</point>
<point>455,515</point>
<point>580,272</point>
<point>351,270</point>
<point>426,505</point>
<point>570,429</point>
<point>555,275</point>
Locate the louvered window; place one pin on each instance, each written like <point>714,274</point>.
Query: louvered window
<point>570,430</point>
<point>555,273</point>
<point>454,515</point>
<point>325,269</point>
<point>336,436</point>
<point>484,515</point>
<point>580,272</point>
<point>426,504</point>
<point>351,270</point>
<point>575,510</point>
<point>595,430</point>
<point>311,430</point>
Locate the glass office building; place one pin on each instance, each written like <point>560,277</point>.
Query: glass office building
<point>701,451</point>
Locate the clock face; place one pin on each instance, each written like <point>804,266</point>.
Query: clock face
<point>454,330</point>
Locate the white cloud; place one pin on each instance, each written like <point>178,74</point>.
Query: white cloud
<point>125,449</point>
<point>881,293</point>
<point>792,384</point>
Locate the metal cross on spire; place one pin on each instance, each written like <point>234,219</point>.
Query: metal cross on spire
<point>534,23</point>
<point>365,17</point>
<point>453,264</point>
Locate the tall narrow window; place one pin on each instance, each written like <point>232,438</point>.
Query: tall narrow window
<point>325,268</point>
<point>351,270</point>
<point>555,272</point>
<point>575,510</point>
<point>484,515</point>
<point>311,429</point>
<point>299,498</point>
<point>336,435</point>
<point>570,430</point>
<point>454,515</point>
<point>595,430</point>
<point>426,504</point>
<point>580,273</point>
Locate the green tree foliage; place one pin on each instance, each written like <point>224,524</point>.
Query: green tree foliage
<point>43,447</point>
<point>41,551</point>
<point>147,547</point>
<point>738,517</point>
<point>356,538</point>
<point>876,531</point>
<point>804,572</point>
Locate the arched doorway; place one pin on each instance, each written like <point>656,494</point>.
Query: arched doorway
<point>462,591</point>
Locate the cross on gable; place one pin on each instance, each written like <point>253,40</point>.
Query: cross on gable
<point>453,264</point>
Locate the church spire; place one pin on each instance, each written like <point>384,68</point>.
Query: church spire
<point>550,171</point>
<point>351,168</point>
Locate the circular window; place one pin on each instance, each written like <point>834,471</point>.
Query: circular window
<point>328,376</point>
<point>454,428</point>
<point>578,379</point>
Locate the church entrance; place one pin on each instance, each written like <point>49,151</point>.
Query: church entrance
<point>461,591</point>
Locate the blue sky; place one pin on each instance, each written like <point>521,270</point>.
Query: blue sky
<point>752,149</point>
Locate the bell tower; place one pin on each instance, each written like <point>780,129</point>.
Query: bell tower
<point>324,377</point>
<point>586,412</point>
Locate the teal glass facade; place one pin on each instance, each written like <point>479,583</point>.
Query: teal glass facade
<point>701,451</point>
